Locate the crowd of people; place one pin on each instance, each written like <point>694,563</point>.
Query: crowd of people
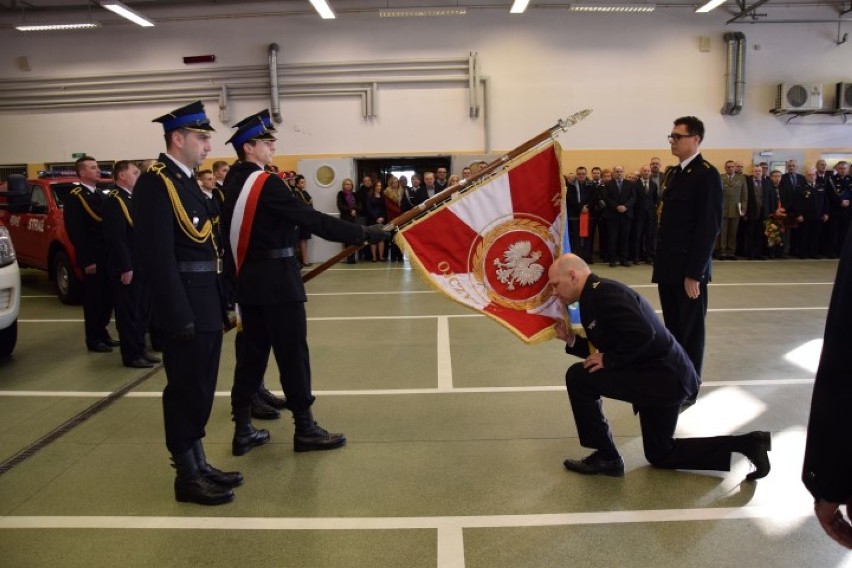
<point>765,214</point>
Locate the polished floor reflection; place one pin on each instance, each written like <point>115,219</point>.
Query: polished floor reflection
<point>457,432</point>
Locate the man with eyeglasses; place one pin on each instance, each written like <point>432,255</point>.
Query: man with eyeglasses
<point>690,219</point>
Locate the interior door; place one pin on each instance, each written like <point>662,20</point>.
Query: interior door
<point>324,179</point>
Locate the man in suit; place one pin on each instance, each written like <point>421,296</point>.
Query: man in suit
<point>178,249</point>
<point>690,217</point>
<point>129,295</point>
<point>620,198</point>
<point>83,220</point>
<point>644,228</point>
<point>827,471</point>
<point>792,184</point>
<point>754,239</point>
<point>581,199</point>
<point>734,203</point>
<point>637,361</point>
<point>261,216</point>
<point>810,208</point>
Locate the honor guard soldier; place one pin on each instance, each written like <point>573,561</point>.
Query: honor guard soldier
<point>261,215</point>
<point>84,221</point>
<point>129,295</point>
<point>177,244</point>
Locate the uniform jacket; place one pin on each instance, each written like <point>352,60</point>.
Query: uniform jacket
<point>613,198</point>
<point>811,203</point>
<point>622,325</point>
<point>690,218</point>
<point>84,224</point>
<point>265,281</point>
<point>118,231</point>
<point>734,196</point>
<point>827,471</point>
<point>178,298</point>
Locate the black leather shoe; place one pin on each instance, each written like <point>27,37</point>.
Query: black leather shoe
<point>756,446</point>
<point>271,399</point>
<point>140,363</point>
<point>263,411</point>
<point>594,464</point>
<point>202,491</point>
<point>222,478</point>
<point>247,438</point>
<point>317,439</point>
<point>100,347</point>
<point>112,342</point>
<point>151,358</point>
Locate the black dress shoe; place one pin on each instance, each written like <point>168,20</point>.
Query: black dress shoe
<point>270,399</point>
<point>151,358</point>
<point>246,438</point>
<point>140,363</point>
<point>594,464</point>
<point>100,347</point>
<point>263,411</point>
<point>756,446</point>
<point>317,438</point>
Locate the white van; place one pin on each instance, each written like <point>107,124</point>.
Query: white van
<point>10,294</point>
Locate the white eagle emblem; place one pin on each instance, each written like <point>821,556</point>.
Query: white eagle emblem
<point>520,266</point>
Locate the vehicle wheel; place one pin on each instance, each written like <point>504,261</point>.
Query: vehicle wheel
<point>8,338</point>
<point>68,288</point>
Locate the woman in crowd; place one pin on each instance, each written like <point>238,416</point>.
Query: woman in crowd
<point>393,196</point>
<point>348,207</point>
<point>304,234</point>
<point>377,213</point>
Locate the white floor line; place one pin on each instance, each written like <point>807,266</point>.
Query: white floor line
<point>386,392</point>
<point>795,510</point>
<point>445,364</point>
<point>450,547</point>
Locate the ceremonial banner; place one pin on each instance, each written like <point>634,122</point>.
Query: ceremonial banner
<point>490,247</point>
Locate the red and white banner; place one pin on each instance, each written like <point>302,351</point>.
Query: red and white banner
<point>490,247</point>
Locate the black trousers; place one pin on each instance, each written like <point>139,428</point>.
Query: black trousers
<point>658,415</point>
<point>97,305</point>
<point>618,230</point>
<point>754,239</point>
<point>684,317</point>
<point>283,329</point>
<point>191,370</point>
<point>128,317</point>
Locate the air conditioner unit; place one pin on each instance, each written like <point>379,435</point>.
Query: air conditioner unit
<point>844,96</point>
<point>799,96</point>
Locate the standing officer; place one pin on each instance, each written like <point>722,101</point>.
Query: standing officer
<point>690,218</point>
<point>262,214</point>
<point>84,218</point>
<point>178,249</point>
<point>128,294</point>
<point>638,362</point>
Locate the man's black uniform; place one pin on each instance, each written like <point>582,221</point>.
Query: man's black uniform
<point>83,219</point>
<point>643,365</point>
<point>130,299</point>
<point>690,218</point>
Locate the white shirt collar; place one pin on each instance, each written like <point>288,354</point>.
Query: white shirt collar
<point>91,188</point>
<point>685,163</point>
<point>184,169</point>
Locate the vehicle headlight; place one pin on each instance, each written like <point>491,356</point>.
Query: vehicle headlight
<point>7,251</point>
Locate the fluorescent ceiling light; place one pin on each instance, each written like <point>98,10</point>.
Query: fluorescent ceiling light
<point>324,10</point>
<point>118,8</point>
<point>519,7</point>
<point>55,27</point>
<point>623,8</point>
<point>710,6</point>
<point>420,12</point>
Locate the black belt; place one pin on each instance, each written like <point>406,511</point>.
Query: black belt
<point>271,254</point>
<point>201,266</point>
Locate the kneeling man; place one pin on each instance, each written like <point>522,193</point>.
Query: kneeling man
<point>638,361</point>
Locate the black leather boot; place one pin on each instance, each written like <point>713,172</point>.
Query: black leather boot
<point>310,436</point>
<point>271,399</point>
<point>246,436</point>
<point>219,477</point>
<point>192,487</point>
<point>261,410</point>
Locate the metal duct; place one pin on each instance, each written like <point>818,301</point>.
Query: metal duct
<point>730,70</point>
<point>739,91</point>
<point>274,102</point>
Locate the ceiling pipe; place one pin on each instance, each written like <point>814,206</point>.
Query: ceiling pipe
<point>274,102</point>
<point>739,76</point>
<point>730,79</point>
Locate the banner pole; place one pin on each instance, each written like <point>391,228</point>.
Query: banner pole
<point>438,198</point>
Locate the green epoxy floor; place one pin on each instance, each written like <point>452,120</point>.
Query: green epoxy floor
<point>468,476</point>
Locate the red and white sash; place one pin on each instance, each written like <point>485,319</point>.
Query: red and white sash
<point>243,218</point>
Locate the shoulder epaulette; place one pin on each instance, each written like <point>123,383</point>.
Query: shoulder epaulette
<point>156,167</point>
<point>113,193</point>
<point>77,190</point>
<point>707,164</point>
<point>78,193</point>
